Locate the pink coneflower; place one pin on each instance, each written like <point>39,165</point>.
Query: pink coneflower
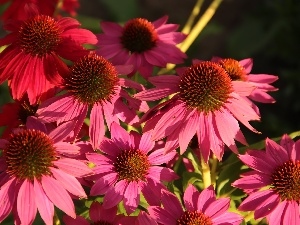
<point>128,166</point>
<point>205,102</point>
<point>141,43</point>
<point>32,60</point>
<point>200,208</point>
<point>94,83</point>
<point>98,215</point>
<point>36,175</point>
<point>240,71</point>
<point>277,172</point>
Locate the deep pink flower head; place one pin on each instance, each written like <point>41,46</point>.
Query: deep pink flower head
<point>32,60</point>
<point>205,102</point>
<point>200,208</point>
<point>129,166</point>
<point>36,174</point>
<point>274,182</point>
<point>94,82</point>
<point>141,43</point>
<point>98,215</point>
<point>240,71</point>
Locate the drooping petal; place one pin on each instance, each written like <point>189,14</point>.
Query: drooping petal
<point>26,204</point>
<point>115,194</point>
<point>44,204</point>
<point>97,127</point>
<point>120,137</point>
<point>73,167</point>
<point>7,195</point>
<point>58,195</point>
<point>276,152</point>
<point>131,197</point>
<point>171,204</point>
<point>103,184</point>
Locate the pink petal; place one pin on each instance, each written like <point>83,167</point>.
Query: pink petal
<point>97,213</point>
<point>277,215</point>
<point>218,207</point>
<point>291,213</point>
<point>61,132</point>
<point>111,29</point>
<point>44,205</point>
<point>242,88</point>
<point>144,218</point>
<point>70,183</point>
<point>162,216</point>
<point>26,204</point>
<point>159,22</point>
<point>262,78</point>
<point>77,221</point>
<point>110,116</point>
<point>267,206</point>
<point>73,167</point>
<point>261,96</point>
<point>115,194</point>
<point>67,149</point>
<point>158,173</point>
<point>158,156</point>
<point>146,144</point>
<point>190,198</point>
<point>254,181</point>
<point>228,128</point>
<point>58,195</point>
<point>83,36</point>
<point>247,64</point>
<point>203,134</point>
<point>35,123</point>
<point>152,191</point>
<point>171,204</point>
<point>109,147</point>
<point>188,130</point>
<point>276,152</point>
<point>120,136</point>
<point>165,81</point>
<point>154,94</point>
<point>103,184</point>
<point>131,197</point>
<point>230,218</point>
<point>206,197</point>
<point>97,127</point>
<point>253,201</point>
<point>7,195</point>
<point>169,121</point>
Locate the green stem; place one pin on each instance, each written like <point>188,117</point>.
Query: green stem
<point>206,176</point>
<point>214,165</point>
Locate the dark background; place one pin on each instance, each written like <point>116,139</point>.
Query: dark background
<point>265,30</point>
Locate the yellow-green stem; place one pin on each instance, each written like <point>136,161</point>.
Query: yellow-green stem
<point>196,30</point>
<point>204,19</point>
<point>214,165</point>
<point>56,219</point>
<point>206,176</point>
<point>195,12</point>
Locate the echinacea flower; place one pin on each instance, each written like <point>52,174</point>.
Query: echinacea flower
<point>274,182</point>
<point>98,215</point>
<point>204,102</point>
<point>200,208</point>
<point>240,71</point>
<point>128,167</point>
<point>141,43</point>
<point>32,61</point>
<point>35,173</point>
<point>94,83</point>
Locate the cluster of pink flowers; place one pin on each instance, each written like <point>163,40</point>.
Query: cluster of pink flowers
<point>82,128</point>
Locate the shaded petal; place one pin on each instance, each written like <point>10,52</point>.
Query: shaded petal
<point>152,191</point>
<point>254,181</point>
<point>190,198</point>
<point>103,184</point>
<point>115,194</point>
<point>62,132</point>
<point>203,134</point>
<point>217,207</point>
<point>278,153</point>
<point>158,157</point>
<point>58,195</point>
<point>146,144</point>
<point>73,167</point>
<point>131,197</point>
<point>97,127</point>
<point>70,183</point>
<point>266,206</point>
<point>154,94</point>
<point>120,136</point>
<point>7,195</point>
<point>171,204</point>
<point>206,197</point>
<point>67,149</point>
<point>162,216</point>
<point>26,204</point>
<point>35,123</point>
<point>44,205</point>
<point>161,173</point>
<point>165,81</point>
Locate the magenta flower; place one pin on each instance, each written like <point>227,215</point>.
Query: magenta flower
<point>274,183</point>
<point>127,167</point>
<point>200,208</point>
<point>35,173</point>
<point>240,71</point>
<point>94,83</point>
<point>32,60</point>
<point>205,102</point>
<point>98,215</point>
<point>141,43</point>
